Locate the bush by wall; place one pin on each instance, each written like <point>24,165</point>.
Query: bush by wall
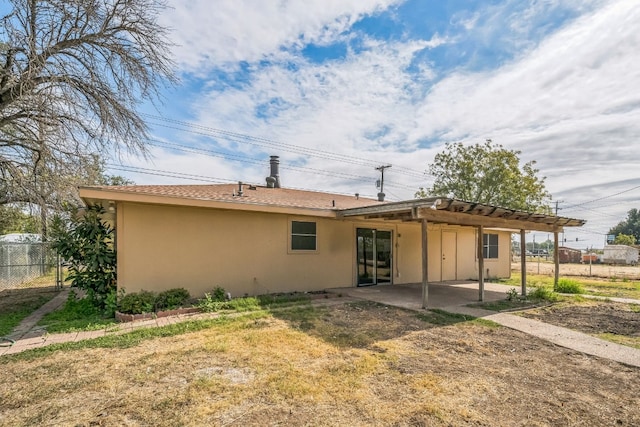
<point>149,302</point>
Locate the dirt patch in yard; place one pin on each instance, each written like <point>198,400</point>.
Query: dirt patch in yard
<point>592,317</point>
<point>346,364</point>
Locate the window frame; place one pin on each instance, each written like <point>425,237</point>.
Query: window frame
<point>488,246</point>
<point>293,234</point>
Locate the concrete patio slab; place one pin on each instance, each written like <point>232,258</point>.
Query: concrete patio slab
<point>441,295</point>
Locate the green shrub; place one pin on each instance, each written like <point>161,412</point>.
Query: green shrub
<point>512,294</point>
<point>137,303</point>
<point>149,302</point>
<point>111,302</point>
<point>243,304</point>
<point>219,294</point>
<point>568,286</point>
<point>542,293</point>
<point>76,314</point>
<point>75,308</point>
<point>172,299</point>
<point>210,303</point>
<point>86,244</point>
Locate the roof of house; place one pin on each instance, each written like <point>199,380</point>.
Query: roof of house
<point>251,195</point>
<point>303,202</point>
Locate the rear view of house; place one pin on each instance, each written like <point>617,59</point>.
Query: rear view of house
<point>258,239</point>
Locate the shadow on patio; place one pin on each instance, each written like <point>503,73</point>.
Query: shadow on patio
<point>441,294</point>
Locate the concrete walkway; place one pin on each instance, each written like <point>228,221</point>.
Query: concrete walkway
<point>27,328</point>
<point>452,298</point>
<point>563,337</point>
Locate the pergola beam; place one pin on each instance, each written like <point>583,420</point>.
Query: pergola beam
<point>455,218</point>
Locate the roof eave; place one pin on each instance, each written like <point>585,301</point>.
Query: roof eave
<point>90,194</point>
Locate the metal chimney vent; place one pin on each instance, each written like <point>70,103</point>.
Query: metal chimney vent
<point>273,180</point>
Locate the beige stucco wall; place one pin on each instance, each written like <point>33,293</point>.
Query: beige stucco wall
<point>162,247</point>
<point>501,267</point>
<point>498,267</point>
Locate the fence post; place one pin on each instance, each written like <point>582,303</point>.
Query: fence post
<point>58,272</point>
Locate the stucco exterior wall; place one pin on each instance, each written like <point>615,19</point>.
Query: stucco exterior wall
<point>497,267</point>
<point>501,268</point>
<point>162,247</point>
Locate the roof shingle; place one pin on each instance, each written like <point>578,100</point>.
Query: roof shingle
<point>256,195</point>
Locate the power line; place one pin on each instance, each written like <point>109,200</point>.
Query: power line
<point>169,174</point>
<point>195,177</point>
<point>243,159</point>
<point>601,214</point>
<point>602,198</point>
<point>253,140</point>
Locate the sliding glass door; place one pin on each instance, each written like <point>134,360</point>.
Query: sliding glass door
<point>374,256</point>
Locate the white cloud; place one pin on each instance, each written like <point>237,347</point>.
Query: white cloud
<point>225,32</point>
<point>360,107</point>
<point>572,103</point>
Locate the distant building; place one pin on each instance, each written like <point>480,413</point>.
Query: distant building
<point>569,255</point>
<point>620,254</point>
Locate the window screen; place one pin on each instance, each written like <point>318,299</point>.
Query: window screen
<point>303,236</point>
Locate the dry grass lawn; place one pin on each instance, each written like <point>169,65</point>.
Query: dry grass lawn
<point>345,364</point>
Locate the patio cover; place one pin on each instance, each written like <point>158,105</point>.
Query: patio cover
<point>442,210</point>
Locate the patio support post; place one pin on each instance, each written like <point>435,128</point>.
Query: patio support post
<point>425,265</point>
<point>480,263</point>
<point>556,260</point>
<point>523,263</point>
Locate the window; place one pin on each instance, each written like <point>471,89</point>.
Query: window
<point>303,236</point>
<point>490,246</point>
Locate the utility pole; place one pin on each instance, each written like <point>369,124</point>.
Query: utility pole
<point>381,193</point>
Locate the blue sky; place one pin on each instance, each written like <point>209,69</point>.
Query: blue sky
<point>337,87</point>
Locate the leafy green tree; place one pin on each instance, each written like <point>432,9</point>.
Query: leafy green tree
<point>86,243</point>
<point>13,219</point>
<point>630,226</point>
<point>624,239</point>
<point>487,173</point>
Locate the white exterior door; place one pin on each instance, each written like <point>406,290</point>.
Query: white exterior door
<point>449,255</point>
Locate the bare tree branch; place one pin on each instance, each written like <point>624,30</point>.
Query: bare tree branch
<point>72,74</point>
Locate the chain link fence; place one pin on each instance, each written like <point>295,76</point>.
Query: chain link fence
<point>22,263</point>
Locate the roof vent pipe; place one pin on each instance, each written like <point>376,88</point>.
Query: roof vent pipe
<point>275,171</point>
<point>240,192</point>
